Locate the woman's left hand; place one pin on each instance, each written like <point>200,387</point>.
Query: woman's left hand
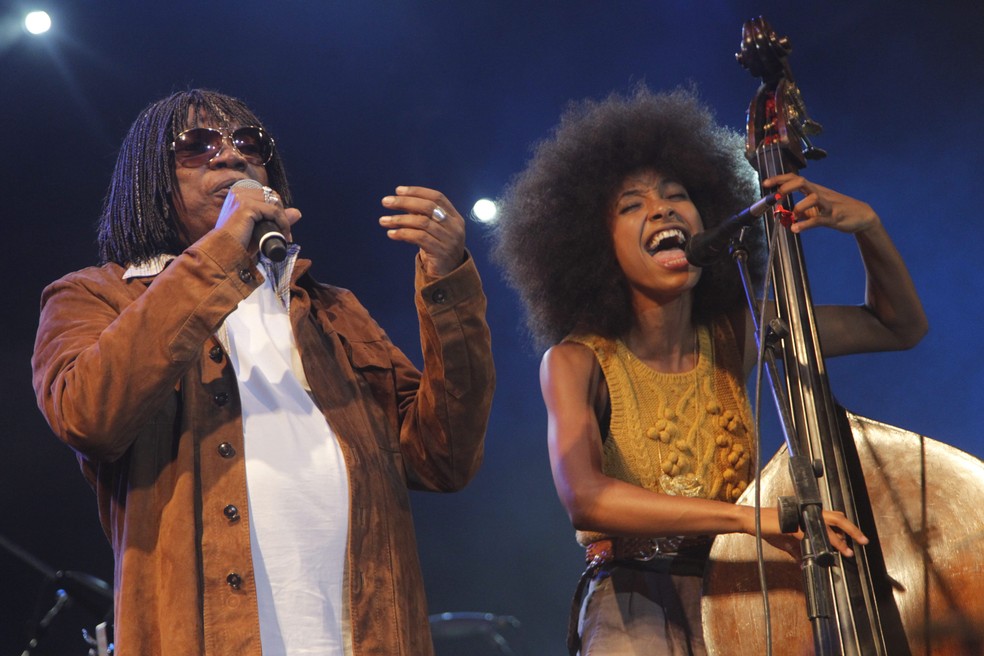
<point>822,206</point>
<point>431,223</point>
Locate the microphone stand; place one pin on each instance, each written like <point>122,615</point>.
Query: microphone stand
<point>61,600</point>
<point>93,593</point>
<point>804,509</point>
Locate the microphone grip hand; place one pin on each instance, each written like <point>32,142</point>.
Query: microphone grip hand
<point>266,233</point>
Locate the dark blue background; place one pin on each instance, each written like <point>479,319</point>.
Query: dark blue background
<point>363,96</point>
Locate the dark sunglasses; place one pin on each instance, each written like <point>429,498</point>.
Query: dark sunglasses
<point>197,146</point>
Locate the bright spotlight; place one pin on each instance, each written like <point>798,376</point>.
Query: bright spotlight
<point>485,211</point>
<point>37,22</point>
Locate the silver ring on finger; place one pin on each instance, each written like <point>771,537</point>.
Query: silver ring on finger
<point>270,196</point>
<point>438,214</point>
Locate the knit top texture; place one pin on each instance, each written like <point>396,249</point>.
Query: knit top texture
<point>686,434</point>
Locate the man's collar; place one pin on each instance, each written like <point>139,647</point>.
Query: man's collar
<point>149,267</point>
<point>154,265</point>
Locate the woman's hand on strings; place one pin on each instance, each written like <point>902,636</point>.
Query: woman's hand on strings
<point>821,206</point>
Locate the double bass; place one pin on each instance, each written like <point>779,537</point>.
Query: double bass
<point>916,588</point>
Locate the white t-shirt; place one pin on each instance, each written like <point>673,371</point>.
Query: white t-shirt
<point>297,486</point>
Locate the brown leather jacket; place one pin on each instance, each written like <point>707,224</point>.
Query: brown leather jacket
<point>129,374</point>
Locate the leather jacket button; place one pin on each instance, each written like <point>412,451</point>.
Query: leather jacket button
<point>231,512</point>
<point>221,398</point>
<point>226,450</point>
<point>215,354</point>
<point>439,296</point>
<point>234,580</point>
<point>246,275</point>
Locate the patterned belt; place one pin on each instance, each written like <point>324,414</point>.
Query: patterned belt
<point>642,549</point>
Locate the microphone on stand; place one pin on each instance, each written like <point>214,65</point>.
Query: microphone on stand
<point>707,247</point>
<point>272,243</point>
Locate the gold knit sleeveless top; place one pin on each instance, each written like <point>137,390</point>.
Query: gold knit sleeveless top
<point>685,434</point>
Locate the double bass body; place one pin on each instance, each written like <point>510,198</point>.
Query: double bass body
<point>928,501</point>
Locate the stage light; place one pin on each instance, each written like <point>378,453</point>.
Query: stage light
<point>37,22</point>
<point>485,211</point>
